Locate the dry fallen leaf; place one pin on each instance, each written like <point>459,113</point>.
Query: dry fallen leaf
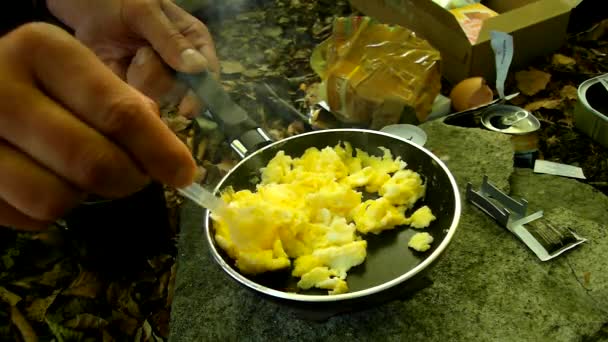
<point>122,299</point>
<point>145,333</point>
<point>544,103</point>
<point>177,123</point>
<point>9,297</point>
<point>161,322</point>
<point>24,327</point>
<point>126,324</point>
<point>567,122</point>
<point>171,286</point>
<point>552,140</point>
<point>36,311</point>
<point>200,175</point>
<point>232,67</point>
<point>86,321</point>
<point>597,31</point>
<point>87,284</point>
<point>253,73</point>
<point>569,92</point>
<point>532,81</point>
<point>562,60</point>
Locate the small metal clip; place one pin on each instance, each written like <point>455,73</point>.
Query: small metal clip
<point>496,203</point>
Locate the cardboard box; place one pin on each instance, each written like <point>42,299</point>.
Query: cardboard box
<point>471,18</point>
<point>538,28</point>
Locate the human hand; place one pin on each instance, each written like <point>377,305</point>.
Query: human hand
<point>119,30</point>
<point>70,127</point>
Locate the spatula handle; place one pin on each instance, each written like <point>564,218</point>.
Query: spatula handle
<point>244,134</point>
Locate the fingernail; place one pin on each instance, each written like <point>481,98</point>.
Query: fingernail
<point>193,60</point>
<point>142,56</point>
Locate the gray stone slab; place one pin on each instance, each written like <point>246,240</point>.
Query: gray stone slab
<point>487,287</point>
<point>471,153</point>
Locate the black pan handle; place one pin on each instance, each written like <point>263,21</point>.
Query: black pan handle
<point>244,134</point>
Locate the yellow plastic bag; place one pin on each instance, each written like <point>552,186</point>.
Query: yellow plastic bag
<point>375,74</point>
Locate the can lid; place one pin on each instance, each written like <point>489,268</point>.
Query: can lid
<point>509,119</point>
<point>412,133</point>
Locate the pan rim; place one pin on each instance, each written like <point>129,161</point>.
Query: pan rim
<point>349,295</point>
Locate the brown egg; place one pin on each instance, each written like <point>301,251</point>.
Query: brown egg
<point>470,93</point>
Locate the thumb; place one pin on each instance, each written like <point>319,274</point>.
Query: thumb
<point>174,48</point>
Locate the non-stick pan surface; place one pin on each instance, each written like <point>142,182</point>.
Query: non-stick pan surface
<point>389,261</point>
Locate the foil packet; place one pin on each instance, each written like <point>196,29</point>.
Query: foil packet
<point>546,238</point>
<point>374,74</point>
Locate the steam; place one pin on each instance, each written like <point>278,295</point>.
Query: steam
<point>216,9</point>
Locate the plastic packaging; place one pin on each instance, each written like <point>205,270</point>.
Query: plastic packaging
<point>374,74</point>
<point>450,4</point>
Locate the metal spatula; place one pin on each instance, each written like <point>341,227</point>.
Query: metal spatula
<point>202,197</point>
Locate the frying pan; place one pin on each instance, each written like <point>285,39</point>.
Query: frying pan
<point>390,265</point>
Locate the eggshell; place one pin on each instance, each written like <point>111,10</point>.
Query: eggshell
<point>470,93</point>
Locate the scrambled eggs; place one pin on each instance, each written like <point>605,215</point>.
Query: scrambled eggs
<point>421,241</point>
<point>309,210</point>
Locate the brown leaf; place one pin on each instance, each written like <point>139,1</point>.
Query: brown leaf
<point>37,309</point>
<point>24,327</point>
<point>145,333</point>
<point>159,262</point>
<point>120,297</point>
<point>252,73</point>
<point>532,81</point>
<point>597,31</point>
<point>231,67</point>
<point>567,122</point>
<point>171,286</point>
<point>562,60</point>
<point>160,320</point>
<point>9,297</point>
<point>51,237</point>
<point>201,173</point>
<point>106,337</point>
<point>87,284</point>
<point>201,149</point>
<point>569,92</point>
<point>50,278</point>
<point>86,321</point>
<point>126,324</point>
<point>162,283</point>
<point>544,103</point>
<point>552,140</point>
<point>177,123</point>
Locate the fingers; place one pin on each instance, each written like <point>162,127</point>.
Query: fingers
<point>190,106</point>
<point>195,31</point>
<point>102,102</point>
<point>149,20</point>
<point>66,145</point>
<point>154,78</point>
<point>12,218</point>
<point>30,195</point>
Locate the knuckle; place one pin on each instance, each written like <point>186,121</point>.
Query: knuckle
<point>96,169</point>
<point>195,28</point>
<point>123,114</point>
<point>138,8</point>
<point>32,35</point>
